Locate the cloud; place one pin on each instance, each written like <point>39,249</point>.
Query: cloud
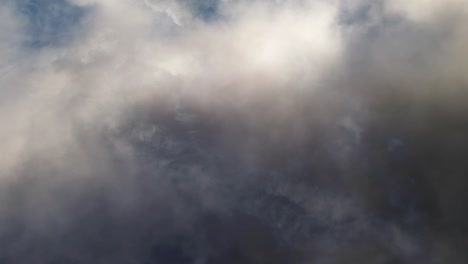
<point>172,131</point>
<point>433,9</point>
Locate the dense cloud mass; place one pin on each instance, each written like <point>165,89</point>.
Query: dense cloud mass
<point>233,131</point>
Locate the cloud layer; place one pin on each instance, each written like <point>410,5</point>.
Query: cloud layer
<point>326,131</point>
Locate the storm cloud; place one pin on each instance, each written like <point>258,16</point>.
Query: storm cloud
<point>223,131</point>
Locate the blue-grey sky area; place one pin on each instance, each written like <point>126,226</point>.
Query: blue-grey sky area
<point>49,22</point>
<point>233,131</point>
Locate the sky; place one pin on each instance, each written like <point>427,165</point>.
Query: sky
<point>233,131</point>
